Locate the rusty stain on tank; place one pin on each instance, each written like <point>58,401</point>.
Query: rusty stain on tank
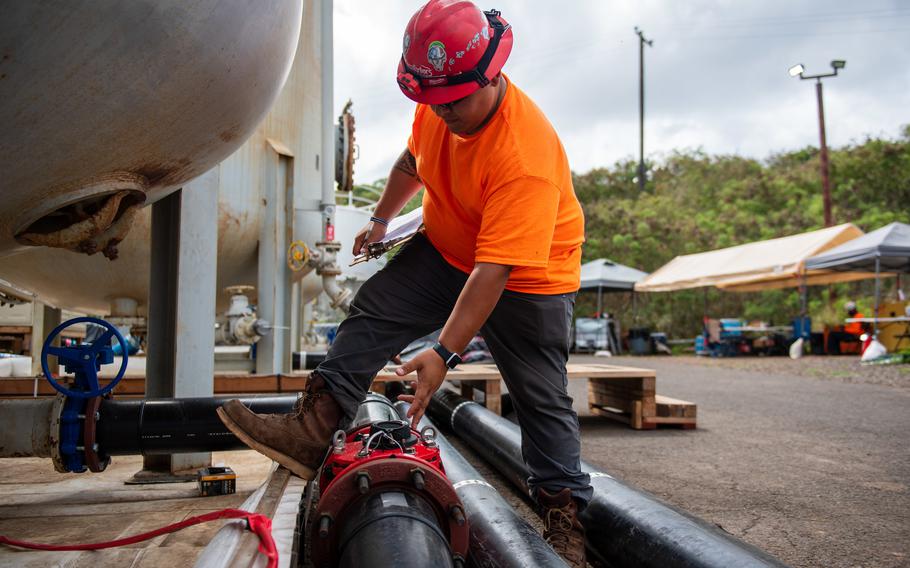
<point>230,134</point>
<point>162,173</point>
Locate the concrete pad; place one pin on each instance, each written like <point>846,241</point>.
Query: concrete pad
<point>40,505</point>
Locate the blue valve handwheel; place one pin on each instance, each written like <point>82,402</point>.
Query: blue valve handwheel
<point>88,354</point>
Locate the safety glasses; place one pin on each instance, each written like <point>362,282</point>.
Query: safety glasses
<point>450,106</point>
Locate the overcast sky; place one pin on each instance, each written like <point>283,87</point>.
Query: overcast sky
<point>716,77</point>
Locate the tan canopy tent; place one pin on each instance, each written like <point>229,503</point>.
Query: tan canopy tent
<point>775,263</point>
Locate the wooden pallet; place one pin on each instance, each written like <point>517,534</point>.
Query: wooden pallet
<point>637,412</point>
<point>485,378</point>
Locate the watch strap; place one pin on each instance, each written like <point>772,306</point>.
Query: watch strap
<point>450,359</point>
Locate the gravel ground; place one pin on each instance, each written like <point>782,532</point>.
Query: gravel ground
<point>805,459</point>
<point>846,369</point>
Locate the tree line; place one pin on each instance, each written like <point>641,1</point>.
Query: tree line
<point>695,202</point>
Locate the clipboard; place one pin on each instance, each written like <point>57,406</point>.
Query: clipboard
<point>401,230</point>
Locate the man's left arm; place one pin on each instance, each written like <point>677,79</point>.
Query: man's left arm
<point>474,306</point>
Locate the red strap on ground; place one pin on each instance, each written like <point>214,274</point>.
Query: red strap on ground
<point>258,524</point>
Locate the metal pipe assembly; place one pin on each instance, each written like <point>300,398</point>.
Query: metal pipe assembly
<point>499,536</point>
<point>626,527</point>
<point>384,498</point>
<point>108,427</point>
<point>123,427</point>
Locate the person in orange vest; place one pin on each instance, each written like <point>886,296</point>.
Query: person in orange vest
<point>851,333</point>
<point>500,253</point>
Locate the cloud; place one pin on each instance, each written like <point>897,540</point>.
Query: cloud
<point>716,77</point>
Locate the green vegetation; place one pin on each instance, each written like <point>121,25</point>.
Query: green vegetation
<point>694,202</point>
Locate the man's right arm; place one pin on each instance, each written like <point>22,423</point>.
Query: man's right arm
<point>402,185</point>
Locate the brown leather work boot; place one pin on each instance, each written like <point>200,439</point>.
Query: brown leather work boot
<point>562,529</point>
<point>297,440</point>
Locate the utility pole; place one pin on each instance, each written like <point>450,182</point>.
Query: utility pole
<point>641,106</point>
<point>823,157</point>
<point>799,70</point>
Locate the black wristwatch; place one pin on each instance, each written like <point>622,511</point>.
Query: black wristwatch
<point>450,359</point>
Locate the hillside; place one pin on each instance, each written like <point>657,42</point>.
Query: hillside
<point>696,202</point>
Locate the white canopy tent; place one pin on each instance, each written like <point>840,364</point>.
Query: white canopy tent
<point>775,263</point>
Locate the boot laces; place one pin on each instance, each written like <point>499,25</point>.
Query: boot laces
<point>559,527</point>
<point>305,403</point>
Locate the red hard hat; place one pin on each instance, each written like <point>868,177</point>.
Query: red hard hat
<point>451,49</point>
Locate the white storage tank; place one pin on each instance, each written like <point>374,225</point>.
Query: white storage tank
<point>88,284</point>
<point>110,104</point>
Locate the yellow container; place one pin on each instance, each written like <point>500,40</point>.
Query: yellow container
<point>895,336</point>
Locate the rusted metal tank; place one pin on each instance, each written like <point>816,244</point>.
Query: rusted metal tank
<point>106,105</point>
<point>88,284</point>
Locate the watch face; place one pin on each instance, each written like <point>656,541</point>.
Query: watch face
<point>453,361</point>
<point>450,359</point>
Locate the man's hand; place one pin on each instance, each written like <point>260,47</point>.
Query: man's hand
<point>431,371</point>
<point>371,233</point>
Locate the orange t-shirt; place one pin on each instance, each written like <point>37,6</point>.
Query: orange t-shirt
<point>503,195</point>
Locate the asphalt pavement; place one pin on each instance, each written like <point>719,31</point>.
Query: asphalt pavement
<point>812,470</point>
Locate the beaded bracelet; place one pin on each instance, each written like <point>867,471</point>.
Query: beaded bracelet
<point>379,220</point>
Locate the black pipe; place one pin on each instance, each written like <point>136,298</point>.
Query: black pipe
<point>309,359</point>
<point>168,426</point>
<point>393,528</point>
<point>499,536</point>
<point>186,425</point>
<point>626,527</point>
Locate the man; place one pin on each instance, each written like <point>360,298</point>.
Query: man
<point>852,331</point>
<point>501,253</point>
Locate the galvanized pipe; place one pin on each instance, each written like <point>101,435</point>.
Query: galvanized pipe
<point>499,536</point>
<point>626,527</point>
<point>326,53</point>
<point>25,427</point>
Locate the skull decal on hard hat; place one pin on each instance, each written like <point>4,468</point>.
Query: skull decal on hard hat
<point>436,55</point>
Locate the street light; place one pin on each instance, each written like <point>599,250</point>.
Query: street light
<point>799,70</point>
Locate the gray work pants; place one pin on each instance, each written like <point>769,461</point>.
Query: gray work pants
<point>528,336</point>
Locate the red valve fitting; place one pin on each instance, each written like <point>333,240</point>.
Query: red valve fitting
<point>382,458</point>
